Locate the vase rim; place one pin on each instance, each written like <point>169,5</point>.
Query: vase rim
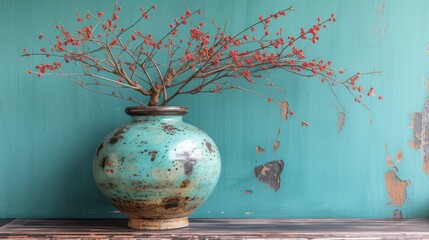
<point>156,110</point>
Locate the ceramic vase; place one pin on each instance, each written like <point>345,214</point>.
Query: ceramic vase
<point>157,169</point>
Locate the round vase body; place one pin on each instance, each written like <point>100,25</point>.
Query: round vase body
<point>157,169</point>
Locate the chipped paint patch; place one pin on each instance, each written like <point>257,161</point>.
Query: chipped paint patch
<point>399,156</point>
<point>270,173</point>
<point>248,191</point>
<point>284,106</point>
<point>396,188</point>
<point>259,150</point>
<point>389,161</point>
<point>420,126</point>
<point>416,125</point>
<point>340,120</point>
<point>397,214</point>
<point>276,146</point>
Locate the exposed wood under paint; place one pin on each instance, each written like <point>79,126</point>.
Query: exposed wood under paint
<point>225,229</point>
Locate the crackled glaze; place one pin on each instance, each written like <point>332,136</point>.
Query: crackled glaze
<point>157,167</point>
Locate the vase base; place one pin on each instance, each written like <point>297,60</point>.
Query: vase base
<point>158,224</point>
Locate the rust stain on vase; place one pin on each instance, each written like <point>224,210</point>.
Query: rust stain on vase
<point>188,167</point>
<point>153,155</point>
<point>106,162</point>
<point>396,188</point>
<point>168,207</point>
<point>209,146</point>
<point>108,185</point>
<point>100,147</point>
<point>185,183</point>
<point>169,129</point>
<point>117,135</point>
<point>270,173</point>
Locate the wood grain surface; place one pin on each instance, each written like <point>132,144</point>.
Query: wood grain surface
<point>223,229</point>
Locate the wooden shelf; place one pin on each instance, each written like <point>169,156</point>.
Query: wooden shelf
<point>222,229</point>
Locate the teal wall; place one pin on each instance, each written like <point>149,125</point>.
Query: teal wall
<point>49,127</point>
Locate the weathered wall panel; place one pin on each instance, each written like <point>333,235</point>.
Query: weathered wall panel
<point>336,167</point>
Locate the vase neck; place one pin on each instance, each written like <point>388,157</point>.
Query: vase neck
<point>161,118</point>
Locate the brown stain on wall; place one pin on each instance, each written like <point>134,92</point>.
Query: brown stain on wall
<point>396,188</point>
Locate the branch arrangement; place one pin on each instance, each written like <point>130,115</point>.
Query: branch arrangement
<point>188,59</point>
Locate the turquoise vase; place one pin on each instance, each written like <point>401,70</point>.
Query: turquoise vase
<point>157,169</point>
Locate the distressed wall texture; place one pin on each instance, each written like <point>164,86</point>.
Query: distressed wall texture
<point>353,163</point>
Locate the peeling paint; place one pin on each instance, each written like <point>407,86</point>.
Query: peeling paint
<point>285,109</point>
<point>416,125</point>
<point>248,191</point>
<point>388,158</point>
<point>397,214</point>
<point>389,161</point>
<point>340,120</point>
<point>399,156</point>
<point>380,8</point>
<point>380,27</point>
<point>270,173</point>
<point>396,188</point>
<point>420,126</point>
<point>259,150</point>
<point>276,146</point>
